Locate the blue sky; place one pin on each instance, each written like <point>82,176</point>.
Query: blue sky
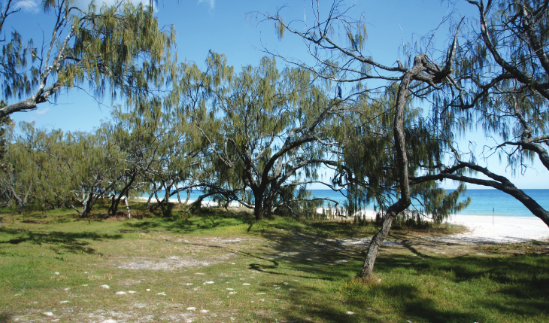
<point>229,27</point>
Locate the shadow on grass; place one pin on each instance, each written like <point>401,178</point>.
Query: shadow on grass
<point>498,288</point>
<point>312,304</point>
<point>66,241</point>
<point>5,317</point>
<point>261,263</point>
<point>511,289</point>
<point>207,220</point>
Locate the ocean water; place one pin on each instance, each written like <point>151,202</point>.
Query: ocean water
<point>490,201</point>
<point>483,202</point>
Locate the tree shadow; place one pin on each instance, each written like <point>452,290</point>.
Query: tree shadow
<point>73,242</point>
<point>310,305</point>
<point>5,317</point>
<point>513,286</point>
<point>509,284</point>
<point>208,219</point>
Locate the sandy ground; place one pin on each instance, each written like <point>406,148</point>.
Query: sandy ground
<point>494,229</point>
<point>498,229</point>
<point>482,229</point>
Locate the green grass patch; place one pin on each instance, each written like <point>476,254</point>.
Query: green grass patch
<point>226,267</point>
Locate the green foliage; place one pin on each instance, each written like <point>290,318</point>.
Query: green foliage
<point>369,169</point>
<point>502,69</point>
<point>118,50</point>
<point>5,123</point>
<point>262,130</point>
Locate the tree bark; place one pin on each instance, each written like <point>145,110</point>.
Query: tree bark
<point>124,192</point>
<point>258,211</point>
<point>87,202</point>
<point>373,248</point>
<point>20,208</point>
<point>258,206</point>
<point>21,201</point>
<point>127,207</point>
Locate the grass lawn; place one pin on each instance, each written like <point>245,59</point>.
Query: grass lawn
<point>225,267</point>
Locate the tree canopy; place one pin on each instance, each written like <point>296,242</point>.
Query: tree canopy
<point>117,50</point>
<point>501,80</point>
<point>266,132</point>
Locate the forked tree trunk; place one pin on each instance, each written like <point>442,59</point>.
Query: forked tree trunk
<point>21,201</point>
<point>87,203</point>
<point>124,192</point>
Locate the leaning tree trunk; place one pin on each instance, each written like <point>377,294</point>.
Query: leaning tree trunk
<point>377,240</point>
<point>402,163</point>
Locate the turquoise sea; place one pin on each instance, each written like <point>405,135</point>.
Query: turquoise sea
<point>483,201</point>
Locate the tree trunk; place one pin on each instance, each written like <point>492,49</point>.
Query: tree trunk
<point>149,201</point>
<point>124,192</point>
<point>258,206</point>
<point>377,240</point>
<point>127,207</point>
<point>402,162</point>
<point>373,248</point>
<point>258,210</point>
<point>20,201</point>
<point>112,208</point>
<point>20,208</point>
<point>87,203</point>
<point>188,196</point>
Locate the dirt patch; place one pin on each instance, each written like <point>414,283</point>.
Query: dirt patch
<point>365,242</point>
<point>172,263</point>
<point>35,221</point>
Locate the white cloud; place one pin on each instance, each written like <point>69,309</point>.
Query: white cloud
<point>28,5</point>
<point>43,111</point>
<point>210,3</point>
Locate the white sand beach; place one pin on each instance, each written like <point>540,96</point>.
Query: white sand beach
<point>494,229</point>
<point>500,229</point>
<point>481,228</point>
